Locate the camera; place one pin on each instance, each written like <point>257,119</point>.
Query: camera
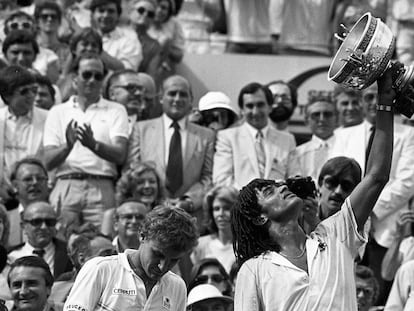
<point>303,187</point>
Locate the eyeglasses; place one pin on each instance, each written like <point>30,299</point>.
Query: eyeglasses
<point>131,88</point>
<point>45,17</point>
<point>131,216</point>
<point>216,278</point>
<point>331,183</point>
<point>33,179</point>
<point>150,14</point>
<point>24,91</point>
<point>324,114</point>
<point>87,75</point>
<point>37,222</point>
<point>25,25</point>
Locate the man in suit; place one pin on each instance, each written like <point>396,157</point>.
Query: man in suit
<point>38,222</point>
<point>21,124</point>
<point>354,142</point>
<point>254,149</point>
<point>182,151</point>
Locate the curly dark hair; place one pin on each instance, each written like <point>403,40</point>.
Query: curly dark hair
<point>125,187</point>
<point>249,239</point>
<point>171,227</point>
<point>35,262</point>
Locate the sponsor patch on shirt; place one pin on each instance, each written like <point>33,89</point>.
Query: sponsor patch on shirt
<point>166,304</point>
<point>126,292</point>
<point>75,307</point>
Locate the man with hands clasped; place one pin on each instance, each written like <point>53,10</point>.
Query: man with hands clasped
<point>85,140</point>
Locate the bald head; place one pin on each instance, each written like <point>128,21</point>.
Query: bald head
<point>148,83</point>
<point>39,207</point>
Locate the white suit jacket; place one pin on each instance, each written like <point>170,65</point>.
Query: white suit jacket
<point>351,142</point>
<point>36,133</point>
<point>235,160</point>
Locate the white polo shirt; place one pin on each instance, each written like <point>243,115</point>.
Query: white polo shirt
<point>109,283</point>
<point>108,120</point>
<point>271,282</point>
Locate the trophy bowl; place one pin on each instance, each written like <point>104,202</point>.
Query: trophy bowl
<point>364,55</point>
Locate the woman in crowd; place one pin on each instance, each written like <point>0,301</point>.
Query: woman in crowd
<point>210,271</point>
<point>140,183</point>
<point>219,243</point>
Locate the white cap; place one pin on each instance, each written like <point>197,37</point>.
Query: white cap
<point>205,292</point>
<point>213,100</point>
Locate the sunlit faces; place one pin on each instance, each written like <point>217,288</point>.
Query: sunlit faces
<point>369,102</point>
<point>333,192</point>
<point>142,13</point>
<point>22,54</point>
<point>162,11</point>
<point>282,106</point>
<point>146,190</point>
<point>87,48</point>
<point>221,213</point>
<point>130,216</point>
<point>321,117</point>
<point>211,274</point>
<point>156,260</point>
<point>278,202</point>
<point>256,109</point>
<point>349,109</point>
<point>177,98</point>
<point>48,20</point>
<point>39,222</point>
<point>31,183</point>
<point>365,294</point>
<point>28,288</point>
<point>106,17</point>
<point>89,79</point>
<point>20,23</point>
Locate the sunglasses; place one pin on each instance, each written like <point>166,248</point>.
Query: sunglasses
<point>216,278</point>
<point>37,222</point>
<point>131,88</point>
<point>331,183</point>
<point>87,75</point>
<point>131,216</point>
<point>141,10</point>
<point>45,17</point>
<point>15,26</point>
<point>24,91</point>
<point>33,179</point>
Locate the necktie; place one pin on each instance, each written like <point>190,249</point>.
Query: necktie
<point>260,153</point>
<point>174,173</point>
<point>39,252</point>
<point>368,150</point>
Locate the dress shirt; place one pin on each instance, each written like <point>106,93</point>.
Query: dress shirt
<point>169,131</point>
<point>27,250</point>
<point>253,131</point>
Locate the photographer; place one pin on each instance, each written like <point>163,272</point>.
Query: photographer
<point>307,272</point>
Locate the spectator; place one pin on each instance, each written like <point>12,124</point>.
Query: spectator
<point>29,180</point>
<point>46,62</point>
<point>136,91</point>
<point>169,34</point>
<point>219,242</point>
<point>367,288</point>
<point>321,117</point>
<point>285,100</point>
<point>348,104</point>
<point>141,17</point>
<point>184,158</point>
<point>84,150</point>
<point>30,282</point>
<point>167,234</point>
<point>216,111</point>
<point>354,142</point>
<point>253,149</point>
<point>21,124</point>
<point>48,17</point>
<point>39,224</point>
<point>85,42</point>
<point>400,297</point>
<point>121,48</point>
<point>128,221</point>
<point>210,271</point>
<point>20,48</point>
<point>46,93</point>
<point>271,246</point>
<point>207,297</point>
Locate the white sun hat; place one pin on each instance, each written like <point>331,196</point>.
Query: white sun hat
<point>205,292</point>
<point>212,100</point>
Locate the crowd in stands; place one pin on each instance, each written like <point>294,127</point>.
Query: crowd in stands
<point>118,190</point>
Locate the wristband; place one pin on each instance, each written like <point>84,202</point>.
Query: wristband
<point>384,108</point>
<point>96,147</point>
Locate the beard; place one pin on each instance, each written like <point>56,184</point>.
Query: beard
<point>280,113</point>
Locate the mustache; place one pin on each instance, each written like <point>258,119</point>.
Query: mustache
<point>336,197</point>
